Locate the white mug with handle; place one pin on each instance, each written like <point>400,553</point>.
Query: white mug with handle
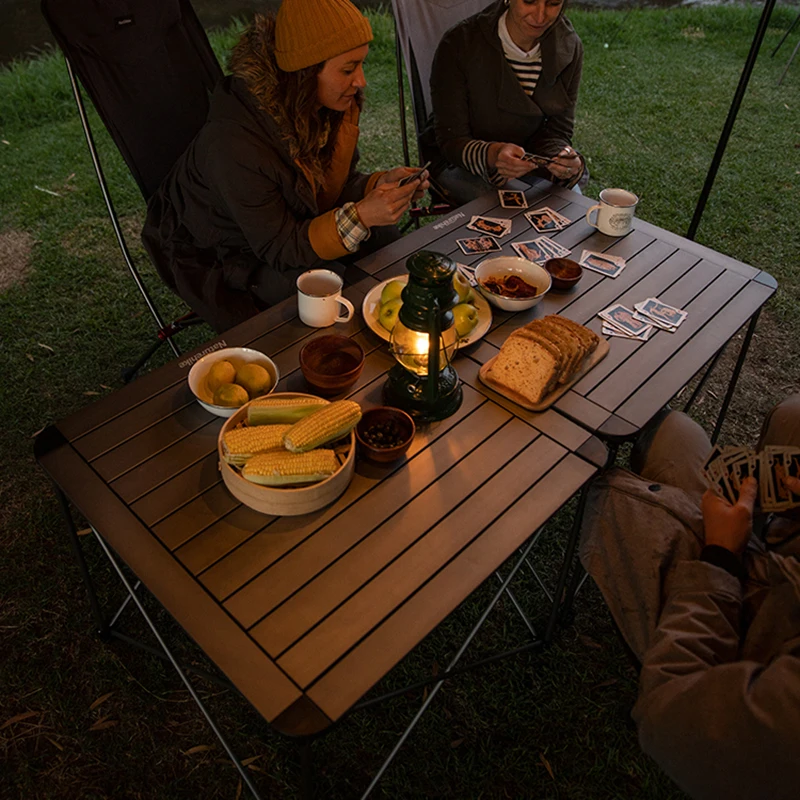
<point>319,298</point>
<point>614,212</point>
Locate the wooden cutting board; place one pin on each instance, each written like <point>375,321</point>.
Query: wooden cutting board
<point>601,351</point>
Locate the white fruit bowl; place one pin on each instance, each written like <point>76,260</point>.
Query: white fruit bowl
<point>238,356</point>
<point>499,267</point>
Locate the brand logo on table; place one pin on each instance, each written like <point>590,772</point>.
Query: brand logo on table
<point>445,223</point>
<point>121,22</point>
<point>187,362</point>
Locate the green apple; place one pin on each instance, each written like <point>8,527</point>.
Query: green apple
<point>466,317</point>
<point>387,315</point>
<point>461,285</point>
<point>391,291</point>
<point>471,297</point>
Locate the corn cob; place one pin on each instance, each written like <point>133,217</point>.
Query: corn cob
<point>239,444</point>
<point>326,425</point>
<point>278,468</point>
<point>272,410</point>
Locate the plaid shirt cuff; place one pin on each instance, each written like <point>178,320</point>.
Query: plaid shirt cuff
<point>352,230</point>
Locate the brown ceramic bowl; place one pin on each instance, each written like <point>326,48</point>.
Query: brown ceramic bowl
<point>564,272</point>
<point>331,363</point>
<point>383,422</point>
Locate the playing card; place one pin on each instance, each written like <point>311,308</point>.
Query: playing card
<point>611,330</point>
<point>716,452</point>
<point>545,219</point>
<point>552,248</point>
<point>622,317</point>
<point>540,161</point>
<point>481,244</point>
<point>651,321</point>
<point>661,312</point>
<point>531,251</point>
<point>611,266</point>
<point>510,198</point>
<point>491,225</point>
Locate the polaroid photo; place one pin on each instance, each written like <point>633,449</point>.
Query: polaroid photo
<point>490,225</point>
<point>650,321</point>
<point>610,266</point>
<point>478,245</point>
<point>623,318</point>
<point>510,198</point>
<point>612,330</point>
<point>539,161</point>
<point>530,250</point>
<point>661,312</point>
<point>554,249</point>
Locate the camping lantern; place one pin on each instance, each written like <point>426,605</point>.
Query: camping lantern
<point>424,341</point>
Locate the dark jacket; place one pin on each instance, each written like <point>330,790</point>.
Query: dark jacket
<point>237,219</point>
<point>476,95</point>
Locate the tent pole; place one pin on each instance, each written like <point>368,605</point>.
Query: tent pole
<point>734,110</point>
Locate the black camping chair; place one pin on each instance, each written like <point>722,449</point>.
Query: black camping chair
<point>419,27</point>
<point>148,68</point>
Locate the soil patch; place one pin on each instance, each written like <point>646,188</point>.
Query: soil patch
<point>15,258</point>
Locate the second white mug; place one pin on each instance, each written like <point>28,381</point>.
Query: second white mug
<point>614,212</point>
<point>319,298</point>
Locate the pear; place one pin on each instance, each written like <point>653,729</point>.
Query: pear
<point>230,395</point>
<point>387,316</point>
<point>466,318</point>
<point>462,287</point>
<point>391,291</point>
<point>254,378</point>
<point>219,373</point>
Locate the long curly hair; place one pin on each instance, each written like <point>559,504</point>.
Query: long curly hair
<point>290,98</point>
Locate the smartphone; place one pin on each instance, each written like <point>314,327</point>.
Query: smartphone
<point>417,174</point>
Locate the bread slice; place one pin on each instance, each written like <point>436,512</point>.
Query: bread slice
<point>588,337</point>
<point>549,344</point>
<point>569,343</point>
<point>524,368</point>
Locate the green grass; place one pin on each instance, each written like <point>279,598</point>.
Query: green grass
<point>651,109</point>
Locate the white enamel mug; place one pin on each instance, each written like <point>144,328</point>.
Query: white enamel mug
<point>614,212</point>
<point>319,298</point>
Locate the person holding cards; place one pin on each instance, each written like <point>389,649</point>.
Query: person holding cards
<point>504,85</point>
<point>269,187</point>
<point>710,610</point>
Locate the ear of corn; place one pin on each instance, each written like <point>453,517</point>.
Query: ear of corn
<point>326,425</point>
<point>278,468</point>
<point>239,444</point>
<point>272,410</point>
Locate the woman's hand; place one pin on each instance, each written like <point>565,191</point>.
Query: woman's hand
<point>398,173</point>
<point>506,158</point>
<point>727,525</point>
<point>566,166</point>
<point>386,203</point>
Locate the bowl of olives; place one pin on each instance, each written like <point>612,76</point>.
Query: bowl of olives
<point>384,434</point>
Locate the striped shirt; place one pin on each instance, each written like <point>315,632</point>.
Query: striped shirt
<point>527,67</point>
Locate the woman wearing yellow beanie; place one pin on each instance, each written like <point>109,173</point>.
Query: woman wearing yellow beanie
<point>269,187</point>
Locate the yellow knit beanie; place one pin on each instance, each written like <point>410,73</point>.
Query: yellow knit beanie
<point>311,31</point>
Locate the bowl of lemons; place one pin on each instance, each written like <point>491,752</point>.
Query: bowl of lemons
<point>225,380</point>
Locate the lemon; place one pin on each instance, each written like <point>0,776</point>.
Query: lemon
<point>220,372</point>
<point>230,395</point>
<point>254,378</point>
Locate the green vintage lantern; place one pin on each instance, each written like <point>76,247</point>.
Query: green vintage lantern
<point>424,341</point>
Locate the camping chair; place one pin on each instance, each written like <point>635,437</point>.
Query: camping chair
<point>419,27</point>
<point>148,68</point>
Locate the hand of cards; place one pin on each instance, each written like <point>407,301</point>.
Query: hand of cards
<point>727,467</point>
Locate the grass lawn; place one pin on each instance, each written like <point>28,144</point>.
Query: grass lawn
<point>84,720</point>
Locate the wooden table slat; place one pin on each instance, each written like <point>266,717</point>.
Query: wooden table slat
<point>357,671</point>
<point>316,599</point>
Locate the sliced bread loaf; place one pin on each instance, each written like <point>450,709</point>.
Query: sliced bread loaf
<point>524,367</point>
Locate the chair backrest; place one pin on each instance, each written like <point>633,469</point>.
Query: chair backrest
<point>148,68</point>
<point>420,27</point>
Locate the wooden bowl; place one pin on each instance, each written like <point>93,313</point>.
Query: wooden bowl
<point>396,419</point>
<point>282,500</point>
<point>564,272</point>
<point>331,363</point>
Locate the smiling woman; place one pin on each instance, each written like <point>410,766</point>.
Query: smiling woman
<point>270,186</point>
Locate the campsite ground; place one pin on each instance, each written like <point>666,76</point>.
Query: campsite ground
<point>81,719</point>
